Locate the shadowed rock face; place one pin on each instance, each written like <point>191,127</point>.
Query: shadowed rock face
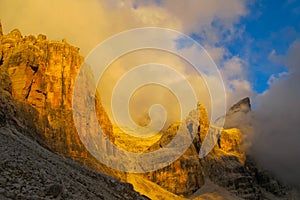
<point>29,171</point>
<point>230,167</point>
<point>245,180</point>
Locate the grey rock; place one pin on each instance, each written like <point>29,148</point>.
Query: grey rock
<point>54,190</point>
<point>29,171</point>
<point>241,106</point>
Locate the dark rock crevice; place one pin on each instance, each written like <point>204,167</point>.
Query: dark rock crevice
<point>1,60</point>
<point>41,92</point>
<point>34,68</point>
<point>28,90</point>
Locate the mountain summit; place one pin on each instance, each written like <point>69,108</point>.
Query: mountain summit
<point>40,144</point>
<point>241,106</point>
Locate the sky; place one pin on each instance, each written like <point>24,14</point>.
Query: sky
<point>270,31</point>
<point>255,45</point>
<point>255,34</point>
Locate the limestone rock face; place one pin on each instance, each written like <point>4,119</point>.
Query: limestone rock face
<point>182,177</point>
<point>40,74</point>
<point>231,143</point>
<point>230,167</point>
<point>225,166</point>
<point>185,175</point>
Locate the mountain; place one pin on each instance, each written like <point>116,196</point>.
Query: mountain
<point>39,74</point>
<point>44,157</point>
<point>233,167</point>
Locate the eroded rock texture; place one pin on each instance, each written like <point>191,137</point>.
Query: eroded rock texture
<point>40,76</point>
<point>230,167</point>
<point>185,175</point>
<point>29,171</point>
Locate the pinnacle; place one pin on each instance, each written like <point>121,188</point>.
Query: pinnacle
<point>243,105</point>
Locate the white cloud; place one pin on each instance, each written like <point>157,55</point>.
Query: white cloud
<point>233,68</point>
<point>277,77</point>
<point>83,23</point>
<point>87,23</point>
<point>199,14</point>
<point>276,138</point>
<point>234,72</point>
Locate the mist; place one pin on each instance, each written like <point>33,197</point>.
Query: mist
<point>276,137</point>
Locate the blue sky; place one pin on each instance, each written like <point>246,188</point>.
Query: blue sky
<point>267,32</point>
<point>270,26</point>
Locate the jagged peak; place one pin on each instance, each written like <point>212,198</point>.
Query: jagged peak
<point>16,33</point>
<point>243,105</point>
<point>41,37</point>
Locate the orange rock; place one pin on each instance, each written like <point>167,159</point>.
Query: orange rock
<point>40,75</point>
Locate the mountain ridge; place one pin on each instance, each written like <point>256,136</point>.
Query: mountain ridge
<point>36,80</point>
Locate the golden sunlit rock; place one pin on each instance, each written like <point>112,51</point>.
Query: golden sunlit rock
<point>37,78</point>
<point>40,75</point>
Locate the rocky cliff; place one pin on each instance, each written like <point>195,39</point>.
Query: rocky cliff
<point>185,175</point>
<point>182,177</point>
<point>231,167</point>
<point>36,85</point>
<point>29,171</point>
<point>39,74</point>
<point>228,165</point>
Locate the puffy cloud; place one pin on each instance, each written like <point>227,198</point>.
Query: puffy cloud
<point>148,95</point>
<point>235,77</point>
<point>87,23</point>
<point>277,77</point>
<point>83,23</point>
<point>200,14</point>
<point>238,89</point>
<point>276,136</point>
<point>233,68</point>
